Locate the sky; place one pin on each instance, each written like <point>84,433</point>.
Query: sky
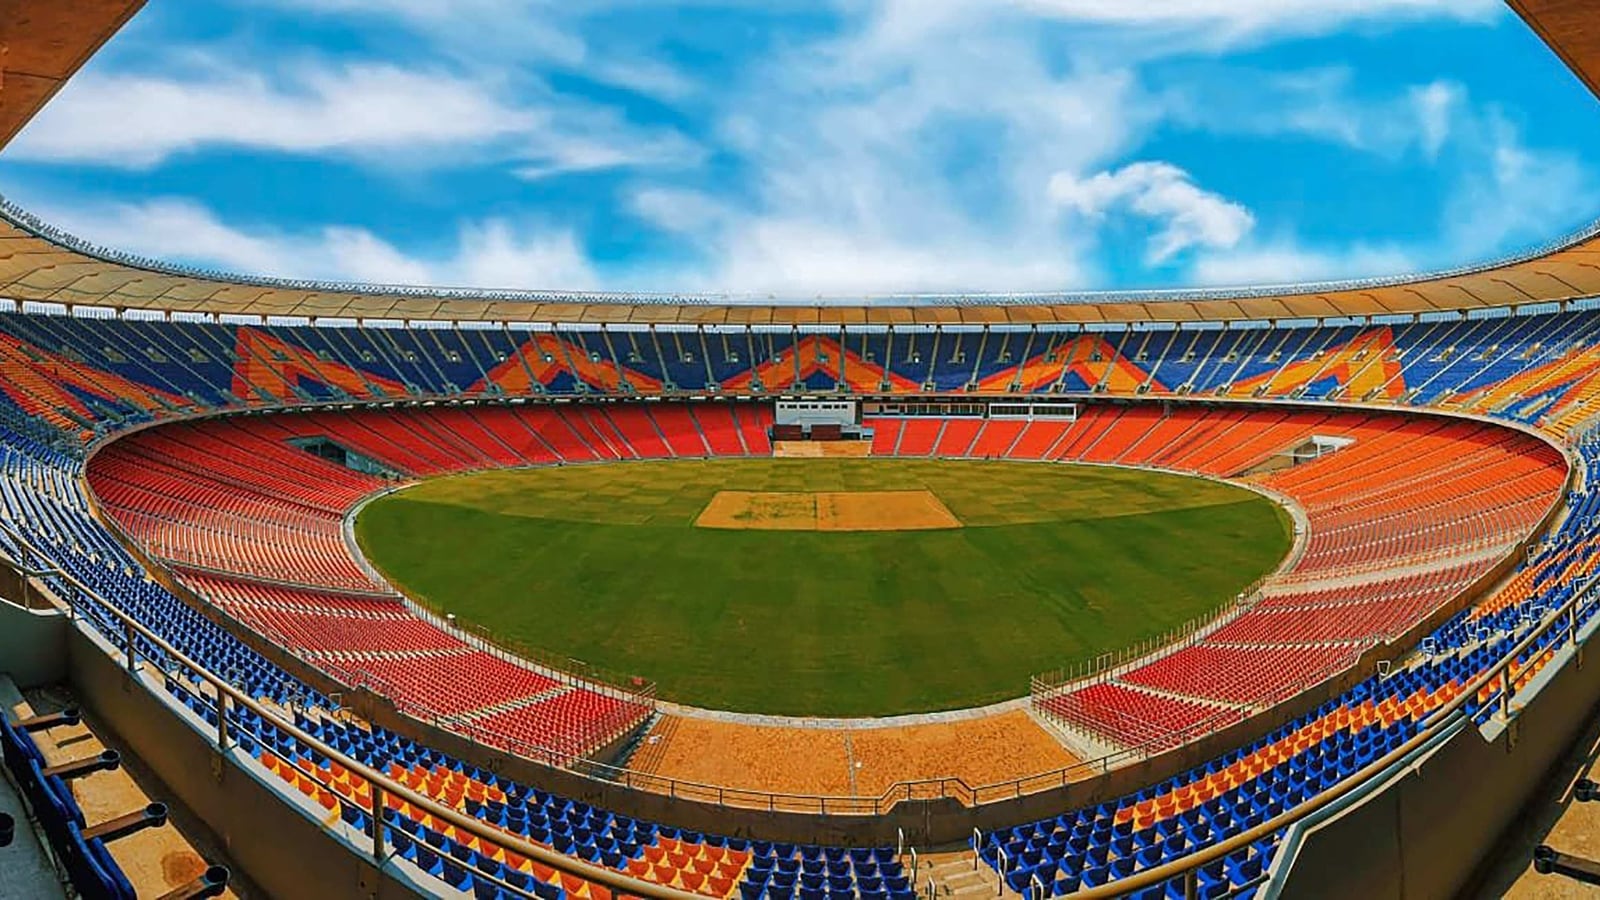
<point>817,148</point>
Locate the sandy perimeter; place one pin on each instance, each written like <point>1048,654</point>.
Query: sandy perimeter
<point>818,762</point>
<point>827,511</point>
<point>821,449</point>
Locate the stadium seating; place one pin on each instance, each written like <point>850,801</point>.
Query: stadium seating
<point>1403,492</point>
<point>222,499</point>
<point>82,850</point>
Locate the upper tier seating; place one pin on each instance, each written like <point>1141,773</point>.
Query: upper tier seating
<point>80,374</point>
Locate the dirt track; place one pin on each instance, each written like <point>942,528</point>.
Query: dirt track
<point>827,511</point>
<point>819,761</point>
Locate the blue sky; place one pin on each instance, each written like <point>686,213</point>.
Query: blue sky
<point>828,147</point>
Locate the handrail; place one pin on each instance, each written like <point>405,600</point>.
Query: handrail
<point>378,783</point>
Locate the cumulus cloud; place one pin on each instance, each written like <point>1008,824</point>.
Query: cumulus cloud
<point>871,153</point>
<point>1507,196</point>
<point>1435,105</point>
<point>1185,215</point>
<point>851,149</point>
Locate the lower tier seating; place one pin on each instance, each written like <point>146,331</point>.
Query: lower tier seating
<point>1093,845</point>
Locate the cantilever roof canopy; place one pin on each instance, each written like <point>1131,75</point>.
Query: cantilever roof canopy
<point>47,40</point>
<point>44,42</point>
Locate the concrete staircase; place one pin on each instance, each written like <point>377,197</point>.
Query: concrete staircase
<point>953,876</point>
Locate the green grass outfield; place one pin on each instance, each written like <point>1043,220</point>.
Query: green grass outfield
<point>1056,563</point>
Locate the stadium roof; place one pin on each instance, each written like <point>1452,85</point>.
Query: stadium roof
<point>47,40</point>
<point>42,43</point>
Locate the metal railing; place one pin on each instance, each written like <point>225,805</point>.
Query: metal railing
<point>949,787</point>
<point>1498,677</point>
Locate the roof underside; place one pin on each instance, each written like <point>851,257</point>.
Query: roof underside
<point>47,40</point>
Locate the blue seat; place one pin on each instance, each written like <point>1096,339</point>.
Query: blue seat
<point>457,876</point>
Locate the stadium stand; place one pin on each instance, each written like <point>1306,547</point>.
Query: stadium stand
<point>77,373</point>
<point>234,507</point>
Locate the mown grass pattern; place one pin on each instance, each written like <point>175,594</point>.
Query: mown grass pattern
<point>1056,563</point>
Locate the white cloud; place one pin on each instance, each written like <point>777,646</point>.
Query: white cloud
<point>1323,104</point>
<point>1214,23</point>
<point>959,145</point>
<point>1506,197</point>
<point>870,167</point>
<point>678,210</point>
<point>800,258</point>
<point>354,108</point>
<point>1259,14</point>
<point>491,253</point>
<point>888,155</point>
<point>533,28</point>
<point>1512,194</point>
<point>1436,104</point>
<point>1286,262</point>
<point>534,34</point>
<point>381,113</point>
<point>1187,215</point>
